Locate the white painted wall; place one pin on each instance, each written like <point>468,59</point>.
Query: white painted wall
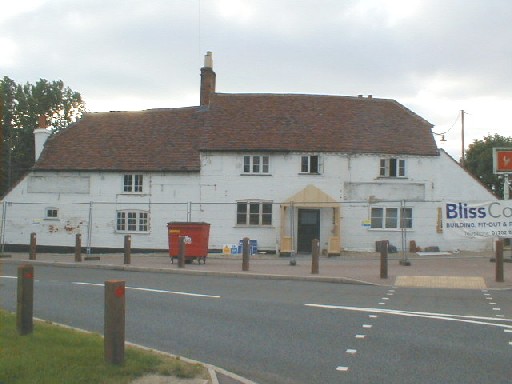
<point>214,191</point>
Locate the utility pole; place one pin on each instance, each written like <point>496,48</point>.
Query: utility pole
<point>462,134</point>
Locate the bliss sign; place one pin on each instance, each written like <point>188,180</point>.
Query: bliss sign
<point>476,220</point>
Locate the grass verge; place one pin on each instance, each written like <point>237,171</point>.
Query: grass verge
<point>54,354</point>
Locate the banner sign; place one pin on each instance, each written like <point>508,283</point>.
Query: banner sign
<point>478,220</point>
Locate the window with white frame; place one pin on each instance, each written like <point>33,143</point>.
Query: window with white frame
<point>255,164</point>
<point>391,218</point>
<point>133,183</point>
<point>132,221</point>
<point>253,213</point>
<point>51,213</point>
<point>392,167</point>
<point>310,164</point>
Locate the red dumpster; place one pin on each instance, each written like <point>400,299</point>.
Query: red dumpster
<point>196,247</point>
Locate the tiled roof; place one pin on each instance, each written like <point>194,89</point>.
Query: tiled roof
<point>153,140</point>
<point>170,139</point>
<point>315,123</point>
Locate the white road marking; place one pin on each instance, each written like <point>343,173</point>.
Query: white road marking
<point>480,320</point>
<point>367,326</point>
<point>351,351</point>
<point>342,369</point>
<point>360,336</point>
<point>9,277</point>
<point>371,316</point>
<point>153,290</point>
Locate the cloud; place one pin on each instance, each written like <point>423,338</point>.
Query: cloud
<point>437,57</point>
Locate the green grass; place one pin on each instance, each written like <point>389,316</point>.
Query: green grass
<point>54,354</point>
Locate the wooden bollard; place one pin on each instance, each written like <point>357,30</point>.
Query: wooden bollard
<point>114,323</point>
<point>33,245</point>
<point>25,300</point>
<point>181,254</point>
<point>127,249</point>
<point>315,256</point>
<point>500,278</point>
<point>78,248</point>
<point>245,254</point>
<point>384,259</point>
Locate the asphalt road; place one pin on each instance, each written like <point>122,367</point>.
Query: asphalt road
<point>278,331</point>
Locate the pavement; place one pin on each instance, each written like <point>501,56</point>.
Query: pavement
<point>462,270</point>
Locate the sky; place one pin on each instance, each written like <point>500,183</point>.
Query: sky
<point>436,57</point>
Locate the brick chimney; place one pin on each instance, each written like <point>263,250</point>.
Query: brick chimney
<point>207,80</point>
<point>41,134</point>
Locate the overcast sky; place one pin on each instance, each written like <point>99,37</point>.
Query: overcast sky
<point>437,57</point>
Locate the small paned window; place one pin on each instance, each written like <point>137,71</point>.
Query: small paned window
<point>256,164</point>
<point>392,167</point>
<point>389,218</point>
<point>51,213</point>
<point>254,213</point>
<point>310,164</point>
<point>133,183</point>
<point>132,221</point>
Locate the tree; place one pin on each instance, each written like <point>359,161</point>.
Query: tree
<point>21,107</point>
<point>478,161</point>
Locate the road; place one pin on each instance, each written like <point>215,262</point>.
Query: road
<point>291,331</point>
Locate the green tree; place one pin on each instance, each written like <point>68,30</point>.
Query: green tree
<point>478,161</point>
<point>22,106</point>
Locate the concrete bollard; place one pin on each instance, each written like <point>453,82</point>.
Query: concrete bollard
<point>181,254</point>
<point>500,278</point>
<point>33,245</point>
<point>25,300</point>
<point>78,248</point>
<point>315,256</point>
<point>127,249</point>
<point>384,259</point>
<point>114,322</point>
<point>245,254</point>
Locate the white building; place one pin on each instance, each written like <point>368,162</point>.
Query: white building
<point>281,169</point>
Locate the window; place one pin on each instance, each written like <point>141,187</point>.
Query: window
<point>256,164</point>
<point>391,218</point>
<point>392,168</point>
<point>132,221</point>
<point>132,183</point>
<point>51,213</point>
<point>309,164</point>
<point>253,213</point>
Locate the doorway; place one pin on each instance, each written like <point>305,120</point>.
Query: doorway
<point>308,229</point>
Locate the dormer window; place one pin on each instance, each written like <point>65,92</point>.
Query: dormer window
<point>133,183</point>
<point>256,165</point>
<point>392,167</point>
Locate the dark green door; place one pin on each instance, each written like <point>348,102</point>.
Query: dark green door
<point>308,229</point>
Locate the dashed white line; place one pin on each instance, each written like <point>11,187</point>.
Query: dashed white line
<point>367,326</point>
<point>360,336</point>
<point>351,351</point>
<point>342,369</point>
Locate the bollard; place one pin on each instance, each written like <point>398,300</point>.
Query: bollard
<point>245,254</point>
<point>315,256</point>
<point>181,254</point>
<point>25,300</point>
<point>127,249</point>
<point>32,251</point>
<point>499,261</point>
<point>114,322</point>
<point>78,248</point>
<point>384,259</point>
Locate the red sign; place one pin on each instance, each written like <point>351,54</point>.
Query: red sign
<point>503,160</point>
